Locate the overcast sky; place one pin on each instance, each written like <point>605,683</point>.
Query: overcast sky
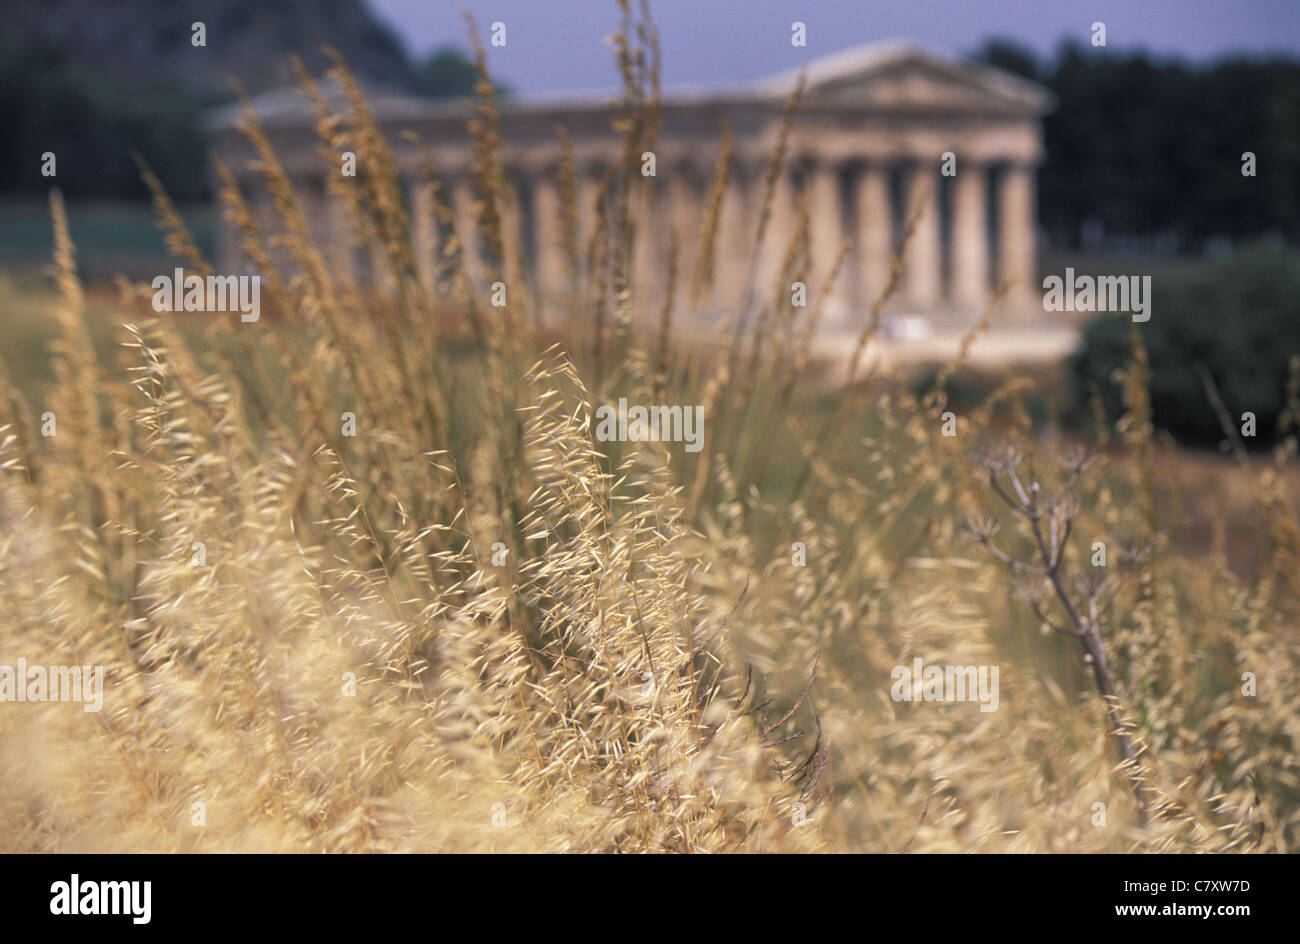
<point>555,45</point>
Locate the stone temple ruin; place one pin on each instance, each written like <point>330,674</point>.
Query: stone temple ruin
<point>875,128</point>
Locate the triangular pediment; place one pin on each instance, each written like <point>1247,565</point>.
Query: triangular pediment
<point>908,77</point>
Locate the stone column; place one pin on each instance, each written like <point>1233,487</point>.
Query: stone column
<point>680,201</point>
<point>826,233</point>
<point>1017,260</point>
<point>736,230</point>
<point>424,233</point>
<point>657,232</point>
<point>587,186</point>
<point>875,233</point>
<point>780,228</point>
<point>465,213</point>
<point>922,272</point>
<point>648,276</point>
<point>970,254</point>
<point>511,264</point>
<point>380,275</point>
<point>551,267</point>
<point>342,248</point>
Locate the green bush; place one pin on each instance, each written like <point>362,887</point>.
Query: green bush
<point>1238,319</point>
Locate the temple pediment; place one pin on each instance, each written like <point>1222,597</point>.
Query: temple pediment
<point>909,77</point>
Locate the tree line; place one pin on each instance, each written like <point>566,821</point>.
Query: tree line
<point>1151,151</point>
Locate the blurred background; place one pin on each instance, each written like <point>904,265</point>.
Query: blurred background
<point>1133,181</point>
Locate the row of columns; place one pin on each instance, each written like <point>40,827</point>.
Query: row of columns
<point>856,205</point>
<point>863,213</point>
<point>972,256</point>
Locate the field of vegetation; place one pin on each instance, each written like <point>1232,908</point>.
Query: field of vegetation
<point>473,626</point>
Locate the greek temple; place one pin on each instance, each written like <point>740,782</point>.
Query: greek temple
<point>886,136</point>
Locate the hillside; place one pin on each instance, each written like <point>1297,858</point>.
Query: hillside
<point>91,82</point>
<point>149,41</point>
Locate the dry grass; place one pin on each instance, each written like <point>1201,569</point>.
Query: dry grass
<point>564,644</point>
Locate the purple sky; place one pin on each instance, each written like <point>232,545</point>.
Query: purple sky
<point>555,45</point>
